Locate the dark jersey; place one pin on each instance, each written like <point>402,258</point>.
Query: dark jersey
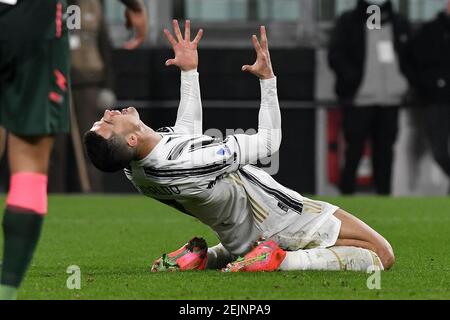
<point>32,19</point>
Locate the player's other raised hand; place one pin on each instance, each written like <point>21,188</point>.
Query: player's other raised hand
<point>262,68</point>
<point>186,56</point>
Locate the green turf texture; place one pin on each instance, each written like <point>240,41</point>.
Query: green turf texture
<point>114,239</point>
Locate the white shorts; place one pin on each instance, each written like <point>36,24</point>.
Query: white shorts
<point>321,232</point>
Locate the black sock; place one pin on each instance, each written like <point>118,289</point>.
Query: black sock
<point>21,232</point>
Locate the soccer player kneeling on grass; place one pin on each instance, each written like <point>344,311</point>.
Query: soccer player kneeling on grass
<point>262,225</point>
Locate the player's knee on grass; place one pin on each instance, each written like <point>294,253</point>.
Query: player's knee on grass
<point>355,232</point>
<point>386,255</point>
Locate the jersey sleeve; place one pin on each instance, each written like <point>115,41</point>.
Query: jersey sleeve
<point>268,138</point>
<point>189,115</point>
<point>208,155</point>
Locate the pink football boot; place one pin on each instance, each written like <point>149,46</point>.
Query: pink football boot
<point>267,256</point>
<point>192,256</point>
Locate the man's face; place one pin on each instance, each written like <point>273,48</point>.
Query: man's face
<point>117,122</point>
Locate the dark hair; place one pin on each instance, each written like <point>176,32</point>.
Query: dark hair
<point>108,155</point>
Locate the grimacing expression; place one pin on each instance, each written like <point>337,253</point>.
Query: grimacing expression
<point>115,122</point>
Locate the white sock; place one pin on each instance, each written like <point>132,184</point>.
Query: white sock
<point>334,258</point>
<point>218,257</point>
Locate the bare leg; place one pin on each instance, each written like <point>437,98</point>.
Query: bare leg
<point>356,233</point>
<point>30,154</point>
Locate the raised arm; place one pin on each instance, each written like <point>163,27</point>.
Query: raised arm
<point>268,138</point>
<point>189,116</point>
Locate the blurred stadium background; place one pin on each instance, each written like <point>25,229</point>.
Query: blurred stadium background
<point>311,153</point>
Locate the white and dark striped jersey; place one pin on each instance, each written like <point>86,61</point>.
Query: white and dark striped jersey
<point>213,179</point>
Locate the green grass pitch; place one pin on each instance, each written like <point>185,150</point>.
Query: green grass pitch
<point>114,239</point>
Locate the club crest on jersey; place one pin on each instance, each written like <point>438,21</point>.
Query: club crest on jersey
<point>223,151</point>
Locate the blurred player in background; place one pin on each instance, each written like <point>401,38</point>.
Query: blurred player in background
<point>371,81</point>
<point>91,83</point>
<point>214,181</point>
<point>34,63</point>
<point>430,52</point>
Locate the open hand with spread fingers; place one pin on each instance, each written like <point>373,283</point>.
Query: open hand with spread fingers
<point>186,56</point>
<point>262,68</point>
